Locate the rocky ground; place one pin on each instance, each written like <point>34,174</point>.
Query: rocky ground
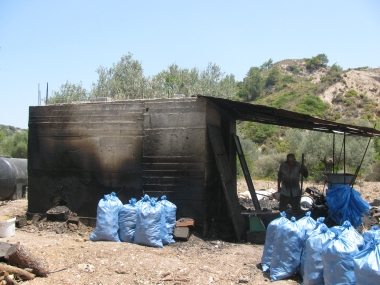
<point>196,261</point>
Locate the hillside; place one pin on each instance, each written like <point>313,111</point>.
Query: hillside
<point>10,130</point>
<point>351,95</point>
<point>312,87</point>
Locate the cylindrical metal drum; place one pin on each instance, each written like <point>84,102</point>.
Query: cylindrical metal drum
<point>307,202</point>
<point>13,176</point>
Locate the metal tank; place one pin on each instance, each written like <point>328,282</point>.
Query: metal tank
<point>13,178</point>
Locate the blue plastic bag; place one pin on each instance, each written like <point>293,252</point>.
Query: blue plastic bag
<point>367,264</point>
<point>351,234</point>
<point>145,199</point>
<point>309,233</point>
<point>338,261</point>
<point>345,203</point>
<point>312,265</point>
<point>307,223</point>
<point>372,233</point>
<point>107,216</point>
<point>269,239</point>
<point>150,224</point>
<point>317,228</point>
<point>287,250</point>
<point>170,219</point>
<point>127,221</point>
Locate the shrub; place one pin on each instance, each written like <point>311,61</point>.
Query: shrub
<point>347,102</point>
<point>317,61</point>
<point>243,94</point>
<point>279,87</point>
<point>351,93</point>
<point>294,69</point>
<point>311,105</point>
<point>260,132</point>
<point>288,79</point>
<point>267,166</point>
<point>273,76</point>
<point>331,78</point>
<point>282,100</point>
<point>335,68</point>
<point>361,68</point>
<point>337,99</point>
<point>367,116</point>
<point>15,145</point>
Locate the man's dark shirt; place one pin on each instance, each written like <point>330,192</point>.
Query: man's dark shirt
<point>290,180</point>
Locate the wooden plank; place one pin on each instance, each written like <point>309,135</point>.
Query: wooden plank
<point>247,175</point>
<point>226,179</point>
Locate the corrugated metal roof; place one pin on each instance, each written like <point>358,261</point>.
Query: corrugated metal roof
<point>269,115</point>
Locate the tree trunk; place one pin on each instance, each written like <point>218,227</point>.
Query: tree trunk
<point>21,256</point>
<point>23,274</point>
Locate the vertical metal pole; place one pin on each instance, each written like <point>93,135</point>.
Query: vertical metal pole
<point>344,157</point>
<point>302,162</point>
<point>47,93</point>
<point>39,95</point>
<point>333,166</point>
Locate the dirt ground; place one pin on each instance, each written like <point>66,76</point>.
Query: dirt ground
<point>197,261</point>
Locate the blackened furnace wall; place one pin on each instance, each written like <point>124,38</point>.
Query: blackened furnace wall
<point>79,152</point>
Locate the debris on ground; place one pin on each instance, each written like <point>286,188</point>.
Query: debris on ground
<point>58,213</point>
<point>182,228</point>
<point>19,255</point>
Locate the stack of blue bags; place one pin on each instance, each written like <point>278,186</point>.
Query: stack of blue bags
<point>146,222</point>
<point>339,255</point>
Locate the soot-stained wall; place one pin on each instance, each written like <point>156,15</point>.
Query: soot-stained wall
<point>77,153</point>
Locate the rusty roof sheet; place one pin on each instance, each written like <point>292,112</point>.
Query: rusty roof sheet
<point>269,115</point>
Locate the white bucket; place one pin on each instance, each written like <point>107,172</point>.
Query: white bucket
<point>7,226</point>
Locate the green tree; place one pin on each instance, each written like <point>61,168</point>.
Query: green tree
<point>323,58</point>
<point>251,153</point>
<point>2,137</point>
<point>210,82</point>
<point>318,147</point>
<point>254,83</point>
<point>267,165</point>
<point>315,62</point>
<point>175,80</point>
<point>274,76</point>
<point>15,145</point>
<point>266,65</point>
<point>376,148</point>
<point>335,68</point>
<point>242,92</point>
<point>124,80</point>
<point>69,93</point>
<point>260,132</point>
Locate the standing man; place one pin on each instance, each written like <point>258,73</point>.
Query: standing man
<point>289,183</point>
